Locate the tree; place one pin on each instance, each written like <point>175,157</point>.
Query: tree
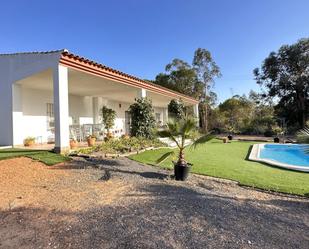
<point>303,136</point>
<point>195,80</point>
<point>206,70</point>
<point>285,75</point>
<point>143,121</point>
<point>108,116</point>
<point>176,109</point>
<point>237,113</point>
<point>179,76</point>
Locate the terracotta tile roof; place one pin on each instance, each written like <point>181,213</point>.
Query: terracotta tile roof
<point>77,58</point>
<point>69,59</point>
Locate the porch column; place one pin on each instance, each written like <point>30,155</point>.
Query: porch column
<point>6,110</point>
<point>18,132</point>
<point>97,106</point>
<point>165,115</point>
<point>61,109</point>
<point>196,114</point>
<point>142,93</point>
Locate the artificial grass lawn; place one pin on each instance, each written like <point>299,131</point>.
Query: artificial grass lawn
<point>46,157</point>
<point>229,161</point>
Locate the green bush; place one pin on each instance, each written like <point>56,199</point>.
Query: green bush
<point>143,121</point>
<point>303,136</point>
<point>176,109</point>
<point>124,145</point>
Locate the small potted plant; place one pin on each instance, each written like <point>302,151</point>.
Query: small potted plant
<point>29,141</point>
<point>73,144</point>
<point>91,140</point>
<point>178,132</point>
<point>73,141</point>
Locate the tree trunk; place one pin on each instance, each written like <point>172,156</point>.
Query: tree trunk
<point>203,117</point>
<point>301,106</point>
<point>206,118</point>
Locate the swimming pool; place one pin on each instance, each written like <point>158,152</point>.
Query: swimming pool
<point>290,156</point>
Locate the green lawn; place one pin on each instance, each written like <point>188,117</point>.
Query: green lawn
<point>47,157</point>
<point>229,161</point>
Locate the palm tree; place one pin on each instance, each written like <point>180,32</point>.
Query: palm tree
<point>303,138</point>
<point>178,131</point>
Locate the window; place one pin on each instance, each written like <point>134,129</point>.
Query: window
<point>50,116</point>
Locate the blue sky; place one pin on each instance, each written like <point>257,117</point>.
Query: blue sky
<point>141,36</point>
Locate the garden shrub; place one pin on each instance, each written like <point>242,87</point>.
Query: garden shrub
<point>176,109</point>
<point>143,121</point>
<point>303,135</point>
<point>124,145</point>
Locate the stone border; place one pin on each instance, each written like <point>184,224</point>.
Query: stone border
<point>115,155</point>
<point>255,156</point>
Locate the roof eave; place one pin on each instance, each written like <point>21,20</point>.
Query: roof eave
<point>82,64</point>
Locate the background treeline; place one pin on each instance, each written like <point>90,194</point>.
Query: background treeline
<point>282,104</point>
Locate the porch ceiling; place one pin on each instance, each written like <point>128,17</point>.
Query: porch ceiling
<point>84,84</point>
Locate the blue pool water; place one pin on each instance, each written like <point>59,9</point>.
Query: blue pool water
<point>293,154</point>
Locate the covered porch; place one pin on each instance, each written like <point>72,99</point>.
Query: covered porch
<point>65,101</point>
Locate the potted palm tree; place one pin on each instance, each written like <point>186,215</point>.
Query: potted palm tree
<point>178,132</point>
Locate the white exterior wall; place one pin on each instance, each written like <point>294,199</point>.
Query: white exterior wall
<point>13,68</point>
<point>34,116</point>
<point>80,110</point>
<point>120,108</point>
<point>34,113</point>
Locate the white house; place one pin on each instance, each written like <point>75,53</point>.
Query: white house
<point>48,94</point>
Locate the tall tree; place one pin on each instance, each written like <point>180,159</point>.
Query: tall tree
<point>285,75</point>
<point>206,70</point>
<point>195,80</point>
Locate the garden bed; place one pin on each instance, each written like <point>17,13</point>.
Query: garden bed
<point>122,147</point>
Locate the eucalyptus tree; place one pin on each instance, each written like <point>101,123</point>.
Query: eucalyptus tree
<point>194,79</point>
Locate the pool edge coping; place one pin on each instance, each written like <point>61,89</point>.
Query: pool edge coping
<point>255,156</point>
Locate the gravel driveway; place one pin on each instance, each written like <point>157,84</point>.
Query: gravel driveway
<point>123,204</point>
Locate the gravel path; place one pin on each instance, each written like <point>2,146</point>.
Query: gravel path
<point>123,204</point>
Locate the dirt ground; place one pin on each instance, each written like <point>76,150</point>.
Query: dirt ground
<point>123,204</point>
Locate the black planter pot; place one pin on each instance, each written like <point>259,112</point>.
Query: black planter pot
<point>276,140</point>
<point>181,172</point>
<point>230,137</point>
